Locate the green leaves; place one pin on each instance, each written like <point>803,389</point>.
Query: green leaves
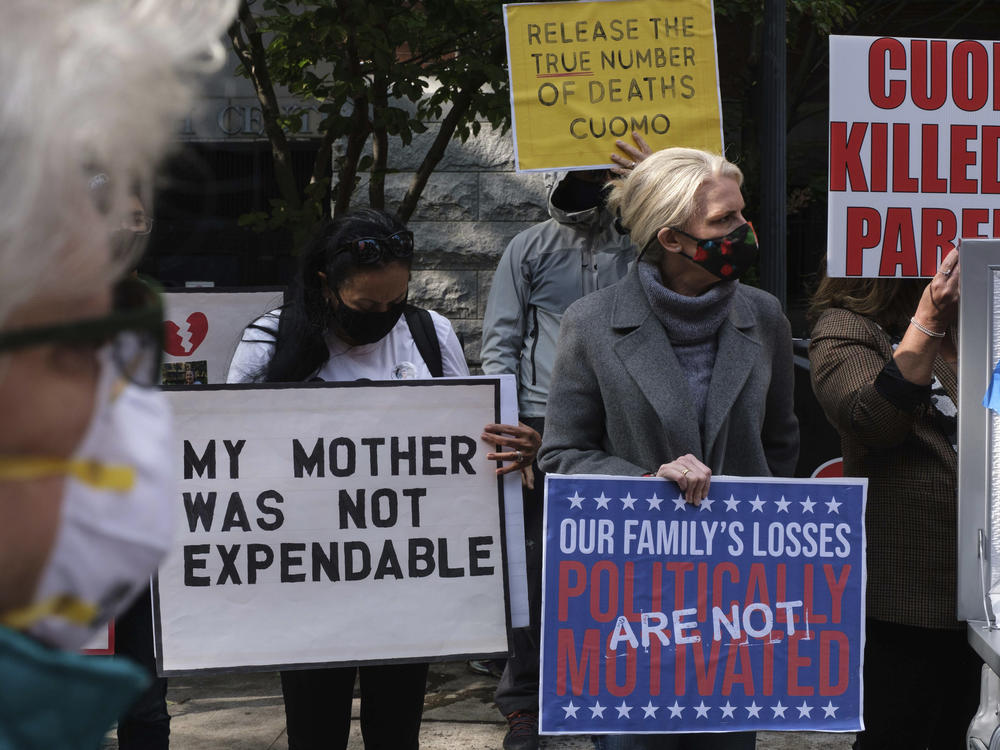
<point>402,62</point>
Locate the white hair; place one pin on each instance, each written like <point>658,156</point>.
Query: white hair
<point>87,87</point>
<point>660,192</point>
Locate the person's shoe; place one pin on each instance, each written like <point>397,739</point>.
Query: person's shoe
<point>522,731</point>
<point>490,667</point>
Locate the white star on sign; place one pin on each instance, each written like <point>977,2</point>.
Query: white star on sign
<point>782,504</point>
<point>654,502</point>
<point>727,710</point>
<point>804,710</point>
<point>649,710</point>
<point>576,501</point>
<point>570,710</point>
<point>833,506</point>
<point>807,505</point>
<point>706,504</point>
<point>829,710</point>
<point>701,710</point>
<point>758,505</point>
<point>679,503</point>
<point>753,710</point>
<point>623,710</point>
<point>602,501</point>
<point>676,710</point>
<point>597,711</point>
<point>731,503</point>
<point>628,501</point>
<point>779,710</point>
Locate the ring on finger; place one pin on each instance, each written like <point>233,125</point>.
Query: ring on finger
<point>518,456</point>
<point>685,472</point>
<point>945,271</point>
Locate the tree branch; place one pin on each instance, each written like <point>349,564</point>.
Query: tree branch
<point>460,105</point>
<point>380,142</point>
<point>250,49</point>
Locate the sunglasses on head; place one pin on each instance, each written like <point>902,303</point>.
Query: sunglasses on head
<point>376,249</point>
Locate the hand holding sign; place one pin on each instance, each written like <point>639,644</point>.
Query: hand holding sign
<point>633,155</point>
<point>522,443</point>
<point>691,475</point>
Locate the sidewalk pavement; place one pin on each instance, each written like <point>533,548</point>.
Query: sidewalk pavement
<point>245,712</point>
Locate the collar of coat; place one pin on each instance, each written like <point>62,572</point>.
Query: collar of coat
<point>631,308</point>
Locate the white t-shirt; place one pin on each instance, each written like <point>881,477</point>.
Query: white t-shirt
<point>393,357</point>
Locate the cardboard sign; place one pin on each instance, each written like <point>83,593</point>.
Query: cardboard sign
<point>328,523</point>
<point>746,613</point>
<point>914,142</point>
<point>103,642</point>
<point>202,329</point>
<point>583,74</point>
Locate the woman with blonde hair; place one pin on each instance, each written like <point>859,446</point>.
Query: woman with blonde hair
<point>677,371</point>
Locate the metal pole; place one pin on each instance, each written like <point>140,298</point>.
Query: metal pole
<point>774,227</point>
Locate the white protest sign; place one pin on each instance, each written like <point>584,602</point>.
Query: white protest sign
<point>332,524</point>
<point>203,327</point>
<point>914,141</point>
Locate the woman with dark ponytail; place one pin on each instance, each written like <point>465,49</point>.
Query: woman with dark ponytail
<point>346,317</point>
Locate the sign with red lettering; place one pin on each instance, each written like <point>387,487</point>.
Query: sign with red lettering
<point>744,613</point>
<point>914,142</point>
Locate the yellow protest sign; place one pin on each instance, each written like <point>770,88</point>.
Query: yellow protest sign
<point>585,73</point>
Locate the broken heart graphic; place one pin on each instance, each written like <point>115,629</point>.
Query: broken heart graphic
<point>182,340</point>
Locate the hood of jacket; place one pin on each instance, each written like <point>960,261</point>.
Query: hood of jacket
<point>558,204</point>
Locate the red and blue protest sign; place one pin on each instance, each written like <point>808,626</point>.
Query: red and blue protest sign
<point>746,613</point>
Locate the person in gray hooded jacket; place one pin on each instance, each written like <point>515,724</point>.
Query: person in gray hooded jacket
<point>544,269</point>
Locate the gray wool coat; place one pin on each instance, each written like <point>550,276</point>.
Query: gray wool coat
<point>619,404</point>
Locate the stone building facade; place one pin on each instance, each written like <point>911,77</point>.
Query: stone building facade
<point>472,206</point>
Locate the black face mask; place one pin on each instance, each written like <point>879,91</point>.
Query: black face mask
<point>366,327</point>
<point>574,194</point>
<point>727,257</point>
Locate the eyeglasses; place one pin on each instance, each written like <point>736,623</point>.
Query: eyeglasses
<point>367,250</point>
<point>133,331</point>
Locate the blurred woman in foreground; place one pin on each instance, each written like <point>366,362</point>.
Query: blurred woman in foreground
<point>85,87</point>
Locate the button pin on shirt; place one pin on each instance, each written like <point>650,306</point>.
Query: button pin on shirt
<point>404,371</point>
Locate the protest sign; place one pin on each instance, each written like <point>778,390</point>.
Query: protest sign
<point>203,327</point>
<point>914,144</point>
<point>333,523</point>
<point>102,643</point>
<point>583,74</point>
<point>746,613</point>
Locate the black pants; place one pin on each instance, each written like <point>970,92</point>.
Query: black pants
<point>318,706</point>
<point>518,687</point>
<point>921,687</point>
<point>146,725</point>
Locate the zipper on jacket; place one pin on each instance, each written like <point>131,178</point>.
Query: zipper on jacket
<point>534,344</point>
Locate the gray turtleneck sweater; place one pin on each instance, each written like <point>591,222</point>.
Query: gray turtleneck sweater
<point>692,325</point>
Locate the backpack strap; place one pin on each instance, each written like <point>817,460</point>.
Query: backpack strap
<point>425,337</point>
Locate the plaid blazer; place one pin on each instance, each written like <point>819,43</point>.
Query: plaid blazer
<point>912,511</point>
